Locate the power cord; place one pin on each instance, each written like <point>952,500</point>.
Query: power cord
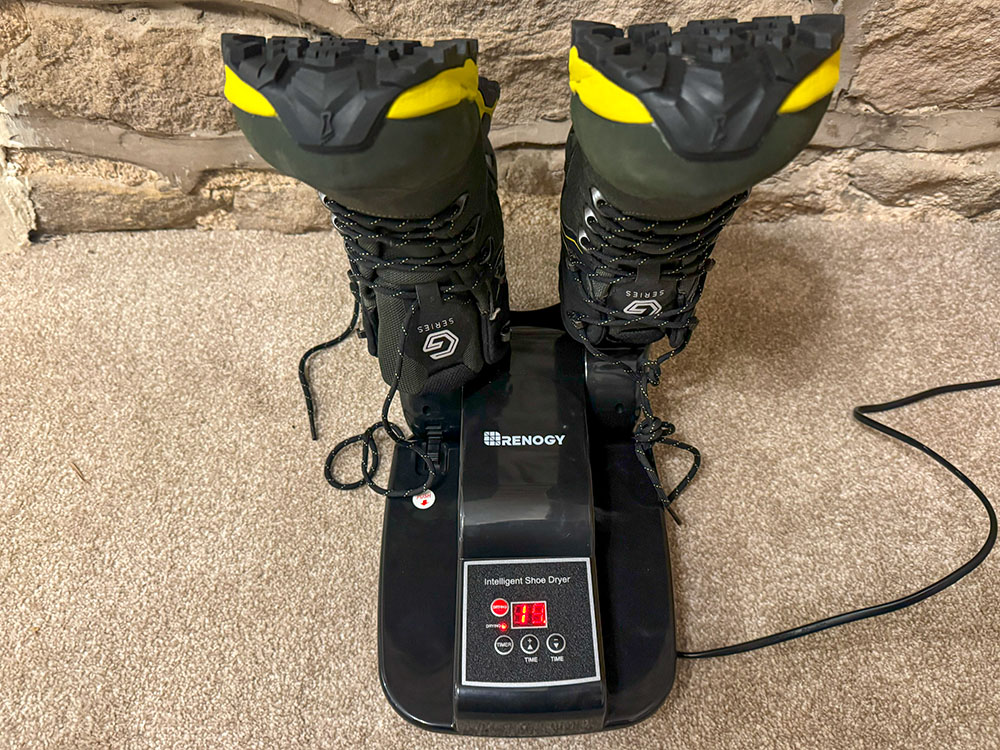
<point>861,414</point>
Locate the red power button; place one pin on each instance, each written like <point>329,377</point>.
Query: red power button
<point>499,607</point>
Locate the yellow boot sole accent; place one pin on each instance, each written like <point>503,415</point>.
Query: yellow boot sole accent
<point>446,89</point>
<point>602,96</point>
<point>244,96</point>
<point>609,100</point>
<point>814,86</point>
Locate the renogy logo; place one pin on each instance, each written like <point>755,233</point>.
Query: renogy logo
<point>493,438</point>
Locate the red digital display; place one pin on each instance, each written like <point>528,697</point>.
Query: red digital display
<point>529,615</point>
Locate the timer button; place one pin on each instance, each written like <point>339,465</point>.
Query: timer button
<point>529,644</point>
<point>499,607</point>
<point>504,645</point>
<point>555,643</point>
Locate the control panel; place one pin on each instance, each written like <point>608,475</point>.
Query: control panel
<point>528,623</point>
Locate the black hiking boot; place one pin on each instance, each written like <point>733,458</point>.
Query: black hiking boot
<point>671,129</point>
<point>394,137</point>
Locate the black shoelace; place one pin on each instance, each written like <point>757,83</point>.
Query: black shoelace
<point>623,244</point>
<point>433,251</point>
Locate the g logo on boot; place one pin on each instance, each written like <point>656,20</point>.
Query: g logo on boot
<point>440,344</point>
<point>643,307</point>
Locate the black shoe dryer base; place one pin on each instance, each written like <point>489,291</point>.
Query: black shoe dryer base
<point>531,595</point>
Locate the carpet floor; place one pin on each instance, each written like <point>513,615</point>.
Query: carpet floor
<point>175,572</point>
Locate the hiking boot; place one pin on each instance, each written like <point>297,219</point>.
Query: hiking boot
<point>394,137</point>
<point>671,129</point>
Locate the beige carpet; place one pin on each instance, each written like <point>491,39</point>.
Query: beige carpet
<point>193,582</point>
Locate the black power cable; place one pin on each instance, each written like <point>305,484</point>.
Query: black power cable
<point>861,414</point>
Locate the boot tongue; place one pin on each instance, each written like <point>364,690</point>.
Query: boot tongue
<point>440,331</point>
<point>641,300</point>
<point>643,295</point>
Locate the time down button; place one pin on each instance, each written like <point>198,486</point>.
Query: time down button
<point>555,643</point>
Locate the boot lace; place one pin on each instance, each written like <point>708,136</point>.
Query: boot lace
<point>431,251</point>
<point>615,246</point>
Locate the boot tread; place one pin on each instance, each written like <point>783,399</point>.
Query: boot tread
<point>713,87</point>
<point>332,94</point>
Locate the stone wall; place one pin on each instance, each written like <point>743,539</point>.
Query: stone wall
<point>111,113</point>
